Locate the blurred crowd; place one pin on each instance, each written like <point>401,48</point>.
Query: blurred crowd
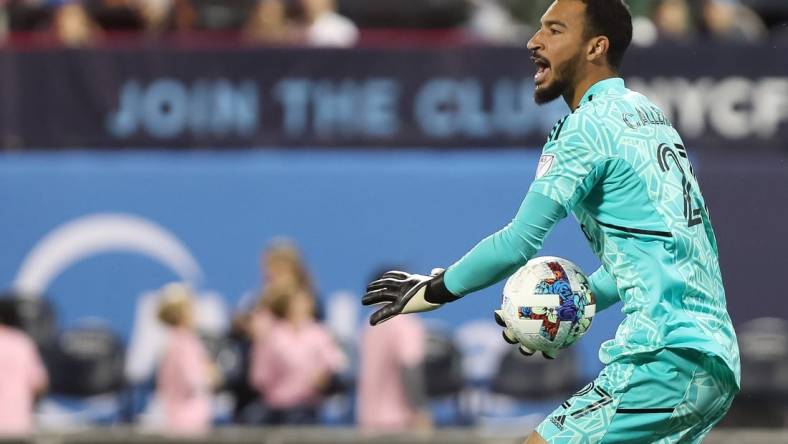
<point>337,22</point>
<point>86,22</point>
<point>661,20</point>
<point>284,361</point>
<point>279,361</point>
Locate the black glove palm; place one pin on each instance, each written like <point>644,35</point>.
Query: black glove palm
<point>406,293</point>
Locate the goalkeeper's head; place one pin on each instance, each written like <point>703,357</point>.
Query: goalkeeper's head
<point>578,41</point>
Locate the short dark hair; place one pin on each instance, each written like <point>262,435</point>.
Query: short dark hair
<point>612,19</point>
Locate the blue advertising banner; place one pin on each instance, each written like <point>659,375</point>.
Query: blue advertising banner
<point>719,97</point>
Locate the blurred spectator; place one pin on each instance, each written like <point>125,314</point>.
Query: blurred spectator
<point>408,14</point>
<point>149,335</point>
<point>244,395</point>
<point>250,330</point>
<point>116,15</point>
<point>155,13</point>
<point>529,13</point>
<point>281,267</point>
<point>774,14</point>
<point>223,15</point>
<point>26,15</point>
<point>186,376</point>
<point>184,16</point>
<point>325,27</point>
<point>317,22</point>
<point>281,264</point>
<point>731,21</point>
<point>491,22</point>
<point>294,363</point>
<point>4,21</point>
<point>674,21</point>
<point>130,15</point>
<point>73,26</point>
<point>391,388</point>
<point>22,374</point>
<point>268,23</point>
<point>727,20</point>
<point>642,8</point>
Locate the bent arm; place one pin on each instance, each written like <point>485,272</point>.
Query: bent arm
<point>604,288</point>
<point>569,168</point>
<point>501,254</point>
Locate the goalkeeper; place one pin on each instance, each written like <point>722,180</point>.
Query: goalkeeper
<point>620,167</point>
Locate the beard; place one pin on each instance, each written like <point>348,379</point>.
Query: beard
<point>563,81</point>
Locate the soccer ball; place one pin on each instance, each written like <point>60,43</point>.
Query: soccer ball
<point>547,305</point>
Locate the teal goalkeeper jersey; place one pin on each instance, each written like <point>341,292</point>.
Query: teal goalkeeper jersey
<point>621,168</point>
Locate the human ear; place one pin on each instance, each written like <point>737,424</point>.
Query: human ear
<point>597,49</point>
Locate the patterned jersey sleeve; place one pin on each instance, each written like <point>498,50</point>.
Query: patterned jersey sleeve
<point>572,160</point>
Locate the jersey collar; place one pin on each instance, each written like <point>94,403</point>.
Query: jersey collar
<point>615,83</point>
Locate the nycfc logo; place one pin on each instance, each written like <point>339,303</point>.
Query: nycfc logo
<point>558,421</point>
<point>545,163</point>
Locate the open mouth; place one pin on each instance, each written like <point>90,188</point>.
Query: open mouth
<point>542,69</point>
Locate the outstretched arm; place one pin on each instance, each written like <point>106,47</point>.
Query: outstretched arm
<point>493,259</point>
<point>569,168</point>
<point>501,254</point>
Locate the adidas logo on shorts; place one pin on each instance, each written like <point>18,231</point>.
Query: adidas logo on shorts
<point>558,421</point>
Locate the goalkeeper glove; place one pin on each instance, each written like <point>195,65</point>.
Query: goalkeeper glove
<point>406,293</point>
<point>508,336</point>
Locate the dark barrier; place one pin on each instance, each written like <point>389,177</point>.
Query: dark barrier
<point>718,97</point>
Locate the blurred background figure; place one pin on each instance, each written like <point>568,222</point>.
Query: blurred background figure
<point>281,268</point>
<point>220,16</point>
<point>330,23</point>
<point>295,361</point>
<point>4,22</point>
<point>269,24</point>
<point>155,14</point>
<point>117,15</point>
<point>492,21</point>
<point>22,374</point>
<point>722,20</point>
<point>528,13</point>
<point>184,16</point>
<point>673,19</point>
<point>325,27</point>
<point>77,23</point>
<point>729,20</point>
<point>186,377</point>
<point>391,387</point>
<point>73,26</point>
<point>282,264</point>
